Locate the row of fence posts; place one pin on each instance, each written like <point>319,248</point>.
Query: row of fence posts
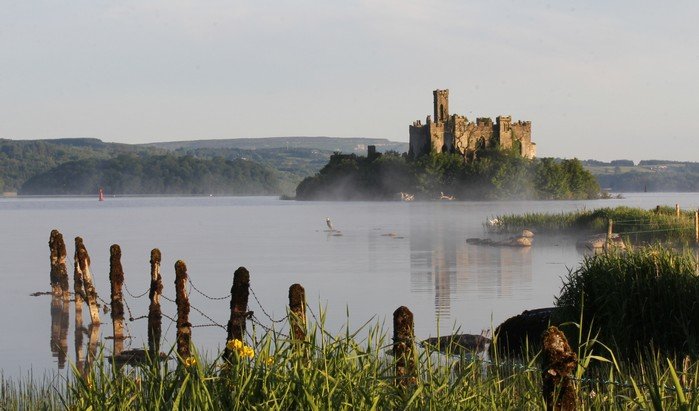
<point>610,223</point>
<point>557,367</point>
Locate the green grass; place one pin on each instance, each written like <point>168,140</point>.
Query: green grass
<point>637,300</point>
<point>639,225</point>
<point>346,372</point>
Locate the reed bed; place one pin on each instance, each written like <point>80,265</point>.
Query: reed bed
<point>639,225</point>
<point>636,300</point>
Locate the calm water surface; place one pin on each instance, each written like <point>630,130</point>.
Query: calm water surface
<point>389,254</point>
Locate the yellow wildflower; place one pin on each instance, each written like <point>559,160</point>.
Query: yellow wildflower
<point>269,360</point>
<point>190,361</point>
<point>234,345</point>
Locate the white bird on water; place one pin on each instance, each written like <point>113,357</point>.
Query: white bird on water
<point>329,223</point>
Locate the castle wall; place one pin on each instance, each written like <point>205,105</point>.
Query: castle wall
<point>456,134</point>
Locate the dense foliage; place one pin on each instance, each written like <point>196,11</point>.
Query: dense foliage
<point>21,160</point>
<point>156,174</point>
<point>496,175</point>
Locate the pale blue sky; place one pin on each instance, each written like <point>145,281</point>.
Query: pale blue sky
<point>602,79</point>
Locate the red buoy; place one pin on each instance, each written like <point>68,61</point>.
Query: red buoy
<point>101,194</point>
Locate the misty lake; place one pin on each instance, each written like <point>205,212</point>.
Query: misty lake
<point>389,254</point>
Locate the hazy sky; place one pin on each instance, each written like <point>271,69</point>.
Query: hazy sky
<point>598,79</point>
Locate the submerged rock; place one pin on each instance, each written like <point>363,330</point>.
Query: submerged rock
<point>513,335</point>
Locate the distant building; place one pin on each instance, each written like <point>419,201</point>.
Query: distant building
<point>456,134</point>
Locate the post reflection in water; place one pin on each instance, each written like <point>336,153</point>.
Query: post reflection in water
<point>59,329</point>
<point>443,263</point>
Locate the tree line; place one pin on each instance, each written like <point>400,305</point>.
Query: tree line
<point>494,175</point>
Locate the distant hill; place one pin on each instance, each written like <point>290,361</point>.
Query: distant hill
<point>647,175</point>
<point>347,145</point>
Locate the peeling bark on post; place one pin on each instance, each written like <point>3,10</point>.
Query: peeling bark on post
<point>59,272</point>
<point>184,328</point>
<point>116,279</point>
<point>83,262</point>
<point>94,332</point>
<point>240,290</point>
<point>403,343</point>
<point>558,364</point>
<point>297,312</point>
<point>154,314</point>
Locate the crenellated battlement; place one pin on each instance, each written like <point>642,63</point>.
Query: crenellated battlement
<point>456,134</point>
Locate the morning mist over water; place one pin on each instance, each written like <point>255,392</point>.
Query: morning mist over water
<point>389,254</point>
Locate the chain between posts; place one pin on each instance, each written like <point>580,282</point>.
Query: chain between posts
<point>135,296</point>
<point>265,312</point>
<point>205,295</point>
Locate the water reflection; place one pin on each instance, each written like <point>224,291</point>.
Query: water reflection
<point>59,329</point>
<point>443,263</point>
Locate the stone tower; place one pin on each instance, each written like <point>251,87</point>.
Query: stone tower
<point>441,106</point>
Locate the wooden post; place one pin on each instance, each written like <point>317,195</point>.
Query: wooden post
<point>558,363</point>
<point>657,209</point>
<point>696,227</point>
<point>297,312</point>
<point>94,332</point>
<point>59,272</point>
<point>239,305</point>
<point>82,264</point>
<point>184,328</point>
<point>677,210</point>
<point>154,314</point>
<point>116,279</point>
<point>610,230</point>
<point>403,342</point>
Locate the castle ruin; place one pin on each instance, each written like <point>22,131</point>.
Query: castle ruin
<point>456,134</point>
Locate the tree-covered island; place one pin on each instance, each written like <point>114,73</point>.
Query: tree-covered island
<point>494,175</point>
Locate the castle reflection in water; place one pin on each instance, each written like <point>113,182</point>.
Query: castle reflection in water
<point>441,261</point>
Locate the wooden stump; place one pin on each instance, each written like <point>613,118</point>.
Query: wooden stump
<point>240,291</point>
<point>59,272</point>
<point>403,343</point>
<point>154,314</point>
<point>116,279</point>
<point>558,364</point>
<point>184,328</point>
<point>82,265</point>
<point>297,312</point>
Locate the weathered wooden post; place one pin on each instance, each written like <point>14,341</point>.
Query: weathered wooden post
<point>82,264</point>
<point>677,210</point>
<point>610,230</point>
<point>154,314</point>
<point>240,291</point>
<point>558,364</point>
<point>59,272</point>
<point>116,279</point>
<point>184,328</point>
<point>94,333</point>
<point>696,227</point>
<point>297,312</point>
<point>403,342</point>
<point>657,209</point>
